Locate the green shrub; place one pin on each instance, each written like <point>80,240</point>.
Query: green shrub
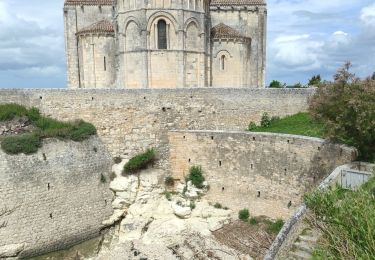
<point>168,196</point>
<point>10,111</point>
<point>275,84</point>
<point>243,214</point>
<point>102,178</point>
<point>82,131</point>
<point>253,221</point>
<point>265,121</point>
<point>275,227</point>
<point>26,143</point>
<point>192,205</point>
<point>347,108</point>
<point>252,126</point>
<point>169,181</point>
<point>218,205</point>
<point>315,80</point>
<point>139,162</point>
<point>196,176</point>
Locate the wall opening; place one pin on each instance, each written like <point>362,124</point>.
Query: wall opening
<point>105,64</point>
<point>220,163</point>
<point>162,35</point>
<point>222,62</point>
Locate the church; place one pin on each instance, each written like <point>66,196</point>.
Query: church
<point>165,43</point>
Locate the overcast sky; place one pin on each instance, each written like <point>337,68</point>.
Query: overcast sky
<point>305,37</point>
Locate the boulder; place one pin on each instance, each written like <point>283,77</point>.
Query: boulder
<point>10,250</point>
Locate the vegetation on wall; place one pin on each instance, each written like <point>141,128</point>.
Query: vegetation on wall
<point>139,162</point>
<point>298,124</point>
<point>346,220</point>
<point>196,176</point>
<point>347,108</point>
<point>44,127</point>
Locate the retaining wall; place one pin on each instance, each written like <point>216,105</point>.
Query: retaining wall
<point>260,171</point>
<point>129,121</point>
<point>56,197</point>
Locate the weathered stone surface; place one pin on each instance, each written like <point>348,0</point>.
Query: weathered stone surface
<point>130,121</point>
<point>11,250</point>
<point>55,197</point>
<point>181,211</point>
<point>262,172</point>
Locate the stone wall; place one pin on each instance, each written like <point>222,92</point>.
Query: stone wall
<point>56,196</point>
<point>130,121</point>
<point>260,171</point>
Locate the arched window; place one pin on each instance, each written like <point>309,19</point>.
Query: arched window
<point>222,62</point>
<point>162,35</point>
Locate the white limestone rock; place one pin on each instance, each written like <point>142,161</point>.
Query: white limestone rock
<point>11,250</point>
<point>128,183</point>
<point>116,216</point>
<point>181,211</point>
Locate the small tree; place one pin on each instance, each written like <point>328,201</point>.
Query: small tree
<point>373,76</point>
<point>275,84</point>
<point>347,108</point>
<point>315,80</point>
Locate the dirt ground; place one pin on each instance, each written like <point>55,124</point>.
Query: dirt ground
<point>248,239</point>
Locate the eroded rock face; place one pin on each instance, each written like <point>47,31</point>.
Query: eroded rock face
<point>153,226</point>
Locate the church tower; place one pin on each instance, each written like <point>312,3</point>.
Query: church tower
<point>162,43</point>
<point>137,44</point>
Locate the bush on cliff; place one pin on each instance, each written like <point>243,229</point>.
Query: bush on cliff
<point>26,143</point>
<point>347,108</point>
<point>45,127</point>
<point>139,162</point>
<point>196,176</point>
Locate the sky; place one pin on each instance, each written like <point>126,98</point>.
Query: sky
<point>305,38</point>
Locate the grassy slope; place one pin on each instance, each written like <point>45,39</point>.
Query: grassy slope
<point>46,127</point>
<point>347,221</point>
<point>298,124</point>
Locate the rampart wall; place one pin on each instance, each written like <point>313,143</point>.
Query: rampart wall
<point>260,171</point>
<point>54,198</point>
<point>129,121</point>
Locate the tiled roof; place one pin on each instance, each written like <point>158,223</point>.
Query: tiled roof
<point>89,2</point>
<point>237,2</point>
<point>103,26</point>
<point>222,31</point>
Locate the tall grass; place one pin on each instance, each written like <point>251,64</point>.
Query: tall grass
<point>347,221</point>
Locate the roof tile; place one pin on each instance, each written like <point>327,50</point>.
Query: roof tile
<point>103,26</point>
<point>237,2</point>
<point>223,31</point>
<point>89,2</point>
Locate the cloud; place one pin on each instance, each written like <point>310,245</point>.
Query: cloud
<point>368,15</point>
<point>318,37</point>
<point>31,49</point>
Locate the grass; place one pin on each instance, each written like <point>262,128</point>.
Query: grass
<point>139,162</point>
<point>298,124</point>
<point>346,220</point>
<point>26,143</point>
<point>46,127</point>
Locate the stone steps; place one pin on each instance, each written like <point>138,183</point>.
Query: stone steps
<point>304,245</point>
